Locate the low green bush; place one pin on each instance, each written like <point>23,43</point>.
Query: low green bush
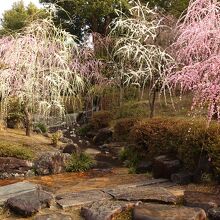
<point>123,127</point>
<point>79,163</point>
<point>84,129</point>
<point>101,119</point>
<point>15,150</point>
<point>184,138</point>
<point>41,126</point>
<point>132,110</point>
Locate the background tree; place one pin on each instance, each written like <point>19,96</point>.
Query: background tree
<point>197,52</point>
<point>80,16</point>
<point>19,16</point>
<point>141,59</point>
<point>35,69</point>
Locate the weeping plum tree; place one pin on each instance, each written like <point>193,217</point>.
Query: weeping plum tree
<point>35,69</point>
<point>197,52</point>
<point>141,59</point>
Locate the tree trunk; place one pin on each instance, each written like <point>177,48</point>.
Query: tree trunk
<point>27,120</point>
<point>152,99</point>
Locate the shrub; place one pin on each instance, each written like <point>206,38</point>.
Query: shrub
<point>55,138</point>
<point>184,138</point>
<point>101,119</point>
<point>84,129</point>
<point>15,150</point>
<point>123,127</point>
<point>41,126</point>
<point>131,156</point>
<point>132,110</point>
<point>15,116</point>
<point>79,163</point>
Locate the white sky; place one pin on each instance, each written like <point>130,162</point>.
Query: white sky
<point>7,4</point>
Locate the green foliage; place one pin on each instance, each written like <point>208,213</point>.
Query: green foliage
<point>84,129</point>
<point>131,156</point>
<point>55,138</point>
<point>15,114</point>
<point>101,119</point>
<point>19,16</point>
<point>123,127</point>
<point>41,126</point>
<point>80,16</point>
<point>8,149</point>
<point>174,7</point>
<point>186,139</point>
<point>132,109</point>
<point>79,163</point>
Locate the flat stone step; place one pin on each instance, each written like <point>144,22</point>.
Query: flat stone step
<point>143,193</point>
<point>167,212</point>
<point>83,198</point>
<point>16,189</point>
<point>105,210</point>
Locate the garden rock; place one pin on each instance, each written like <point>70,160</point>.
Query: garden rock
<point>144,194</point>
<point>65,140</point>
<point>10,166</point>
<point>144,167</point>
<point>70,149</point>
<point>104,135</point>
<point>214,214</point>
<point>202,200</point>
<point>182,178</point>
<point>83,198</point>
<point>55,216</point>
<point>29,203</point>
<point>51,163</point>
<point>105,210</point>
<point>165,212</point>
<point>164,166</point>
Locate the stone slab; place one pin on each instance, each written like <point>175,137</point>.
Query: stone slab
<point>83,198</point>
<point>105,210</point>
<point>144,194</point>
<point>15,189</point>
<point>167,212</point>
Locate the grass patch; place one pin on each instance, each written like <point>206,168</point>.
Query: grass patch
<point>79,163</point>
<point>15,150</point>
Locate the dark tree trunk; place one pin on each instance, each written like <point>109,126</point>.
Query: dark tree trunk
<point>152,99</point>
<point>27,120</point>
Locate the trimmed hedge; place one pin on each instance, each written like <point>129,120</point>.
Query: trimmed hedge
<point>101,119</point>
<point>184,138</point>
<point>123,127</point>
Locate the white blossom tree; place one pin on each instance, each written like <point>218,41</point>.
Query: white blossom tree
<point>34,67</point>
<point>141,59</point>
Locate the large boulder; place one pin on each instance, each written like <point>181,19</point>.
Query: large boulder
<point>144,167</point>
<point>182,178</point>
<point>214,214</point>
<point>29,203</point>
<point>71,148</point>
<point>12,167</point>
<point>104,135</point>
<point>202,200</point>
<point>165,212</point>
<point>51,163</point>
<point>164,166</point>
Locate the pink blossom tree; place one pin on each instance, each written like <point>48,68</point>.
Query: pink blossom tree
<point>34,67</point>
<point>197,52</point>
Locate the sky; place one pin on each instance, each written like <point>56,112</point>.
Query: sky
<point>7,4</point>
